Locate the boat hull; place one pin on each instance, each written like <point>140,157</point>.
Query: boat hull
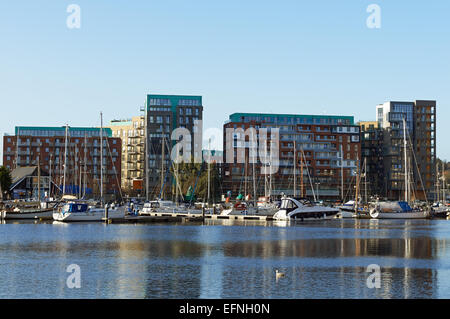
<point>307,213</point>
<point>399,215</point>
<point>45,213</point>
<point>89,216</point>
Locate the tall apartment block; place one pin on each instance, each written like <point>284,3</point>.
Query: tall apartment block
<point>420,117</point>
<point>132,133</point>
<point>164,113</point>
<point>328,147</point>
<point>46,145</point>
<point>372,138</point>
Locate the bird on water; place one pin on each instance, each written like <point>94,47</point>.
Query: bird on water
<point>278,274</point>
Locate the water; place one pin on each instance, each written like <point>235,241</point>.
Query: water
<point>224,259</point>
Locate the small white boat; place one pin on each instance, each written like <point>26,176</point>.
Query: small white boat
<point>302,209</point>
<point>397,210</point>
<point>82,212</point>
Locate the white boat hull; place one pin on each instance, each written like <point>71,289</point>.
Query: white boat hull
<point>94,214</point>
<point>307,213</point>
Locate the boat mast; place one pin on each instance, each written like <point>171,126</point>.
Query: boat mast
<point>101,159</point>
<point>253,172</point>
<point>209,172</point>
<point>302,191</point>
<point>342,174</point>
<point>365,179</point>
<point>65,160</point>
<point>406,160</point>
<point>357,186</point>
<point>443,184</point>
<point>162,167</point>
<point>17,148</point>
<point>50,178</point>
<point>39,178</point>
<point>146,157</point>
<point>295,172</point>
<point>85,164</point>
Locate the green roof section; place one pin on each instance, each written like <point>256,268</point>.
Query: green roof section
<point>21,129</point>
<point>236,117</point>
<point>173,98</point>
<point>174,102</point>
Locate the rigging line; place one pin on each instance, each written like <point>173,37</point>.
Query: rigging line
<point>114,168</point>
<point>176,174</point>
<point>417,167</point>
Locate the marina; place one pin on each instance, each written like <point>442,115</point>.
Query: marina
<point>222,258</point>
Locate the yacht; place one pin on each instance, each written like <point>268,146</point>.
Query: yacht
<point>168,207</point>
<point>400,209</point>
<point>397,210</point>
<point>303,209</point>
<point>440,210</point>
<point>29,210</point>
<point>82,212</point>
<point>248,208</point>
<point>348,210</point>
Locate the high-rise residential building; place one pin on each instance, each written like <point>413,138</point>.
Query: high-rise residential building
<point>372,158</point>
<point>132,133</point>
<point>326,147</point>
<point>47,146</point>
<point>165,113</point>
<point>420,119</point>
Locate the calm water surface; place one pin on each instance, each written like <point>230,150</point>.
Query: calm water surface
<point>223,259</point>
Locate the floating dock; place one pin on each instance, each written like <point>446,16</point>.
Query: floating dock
<point>182,217</point>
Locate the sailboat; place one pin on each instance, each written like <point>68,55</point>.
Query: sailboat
<point>161,205</point>
<point>31,210</point>
<point>80,211</point>
<point>399,209</point>
<point>355,208</point>
<point>440,209</point>
<point>264,206</point>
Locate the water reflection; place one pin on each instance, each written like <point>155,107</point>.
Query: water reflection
<point>214,260</point>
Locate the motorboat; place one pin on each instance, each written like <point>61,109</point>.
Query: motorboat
<point>303,209</point>
<point>82,212</point>
<point>397,210</point>
<point>440,210</point>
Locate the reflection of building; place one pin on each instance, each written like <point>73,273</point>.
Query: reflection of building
<point>164,114</point>
<point>132,134</point>
<point>420,117</point>
<point>47,145</point>
<point>323,139</point>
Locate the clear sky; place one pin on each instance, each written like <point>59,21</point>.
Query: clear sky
<point>306,57</point>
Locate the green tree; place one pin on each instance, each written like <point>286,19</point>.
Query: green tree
<point>5,180</point>
<point>195,175</point>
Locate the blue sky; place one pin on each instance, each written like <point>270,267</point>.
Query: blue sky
<point>306,57</point>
